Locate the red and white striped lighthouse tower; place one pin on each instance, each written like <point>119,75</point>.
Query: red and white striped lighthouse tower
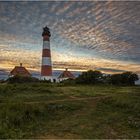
<point>46,68</point>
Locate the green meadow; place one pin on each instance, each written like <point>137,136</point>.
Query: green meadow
<point>43,110</point>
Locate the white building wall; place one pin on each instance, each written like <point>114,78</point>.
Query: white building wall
<point>51,78</point>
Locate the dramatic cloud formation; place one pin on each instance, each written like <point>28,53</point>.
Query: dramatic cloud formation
<point>85,35</point>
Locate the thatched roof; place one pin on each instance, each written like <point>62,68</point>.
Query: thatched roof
<point>20,70</point>
<point>66,74</point>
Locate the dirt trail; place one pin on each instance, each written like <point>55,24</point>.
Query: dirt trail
<point>72,98</point>
<point>79,113</point>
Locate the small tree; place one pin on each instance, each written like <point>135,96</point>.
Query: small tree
<point>129,78</point>
<point>115,79</point>
<point>126,78</point>
<point>90,77</point>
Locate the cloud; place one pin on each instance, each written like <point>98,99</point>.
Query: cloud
<point>85,35</point>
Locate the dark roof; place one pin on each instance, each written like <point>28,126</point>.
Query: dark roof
<point>20,70</point>
<point>66,74</point>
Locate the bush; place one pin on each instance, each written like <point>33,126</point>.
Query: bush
<point>68,82</point>
<point>126,78</point>
<point>2,81</point>
<point>45,81</point>
<point>22,79</point>
<point>96,77</point>
<point>90,77</point>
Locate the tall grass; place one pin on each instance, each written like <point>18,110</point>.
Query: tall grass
<point>25,111</point>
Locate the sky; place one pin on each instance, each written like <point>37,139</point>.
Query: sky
<point>85,35</point>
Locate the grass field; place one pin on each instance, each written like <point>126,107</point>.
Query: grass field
<point>58,111</point>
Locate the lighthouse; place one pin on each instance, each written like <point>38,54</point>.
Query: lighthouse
<point>46,68</point>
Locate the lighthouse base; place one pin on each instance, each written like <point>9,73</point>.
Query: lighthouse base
<point>50,78</point>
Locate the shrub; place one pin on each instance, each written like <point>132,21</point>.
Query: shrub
<point>90,77</point>
<point>126,78</point>
<point>21,79</point>
<point>68,82</point>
